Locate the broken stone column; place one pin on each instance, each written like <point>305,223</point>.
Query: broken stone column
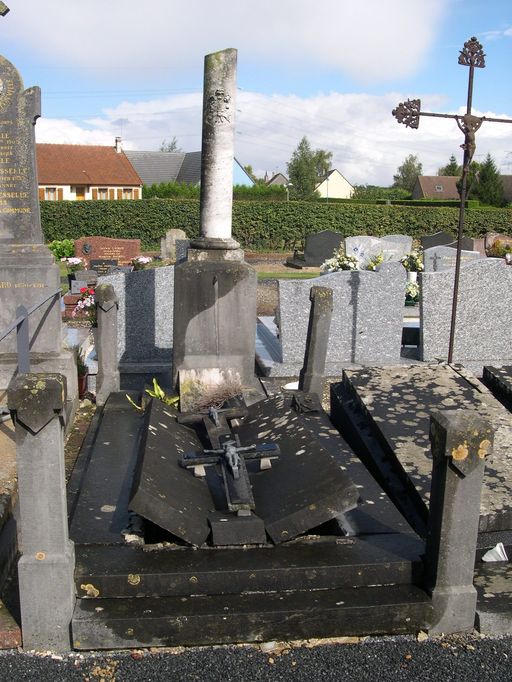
<point>311,378</point>
<point>46,566</point>
<point>215,290</point>
<point>460,442</point>
<point>107,379</point>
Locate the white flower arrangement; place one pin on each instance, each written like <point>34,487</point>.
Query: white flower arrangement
<point>73,263</point>
<point>413,262</point>
<point>339,261</point>
<point>412,291</point>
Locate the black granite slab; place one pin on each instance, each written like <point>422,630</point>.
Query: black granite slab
<point>172,621</point>
<point>305,487</point>
<point>395,404</point>
<point>100,510</point>
<point>163,491</point>
<point>313,563</point>
<point>499,381</point>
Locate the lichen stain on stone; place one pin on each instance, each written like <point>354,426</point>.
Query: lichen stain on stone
<point>484,449</point>
<point>90,590</point>
<point>460,452</point>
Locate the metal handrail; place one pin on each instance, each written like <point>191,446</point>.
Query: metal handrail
<point>22,335</point>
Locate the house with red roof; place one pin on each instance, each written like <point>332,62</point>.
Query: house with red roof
<point>80,172</point>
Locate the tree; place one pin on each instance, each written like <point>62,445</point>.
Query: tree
<point>306,168</point>
<point>488,187</point>
<point>407,173</point>
<point>322,162</point>
<point>257,181</point>
<point>452,168</point>
<point>302,171</point>
<point>171,146</point>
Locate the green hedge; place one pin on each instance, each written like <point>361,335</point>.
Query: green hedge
<point>259,225</point>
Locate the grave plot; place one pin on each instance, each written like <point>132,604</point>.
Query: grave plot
<point>385,413</point>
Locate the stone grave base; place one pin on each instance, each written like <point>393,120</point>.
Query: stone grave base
<point>359,573</point>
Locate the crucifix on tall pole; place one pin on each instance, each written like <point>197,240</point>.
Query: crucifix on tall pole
<point>409,113</point>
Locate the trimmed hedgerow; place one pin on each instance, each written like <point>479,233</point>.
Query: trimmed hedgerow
<point>260,225</point>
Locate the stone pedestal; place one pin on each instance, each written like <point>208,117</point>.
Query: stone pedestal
<point>461,441</point>
<point>215,313</point>
<point>107,379</point>
<point>46,566</point>
<point>311,378</point>
<point>27,273</point>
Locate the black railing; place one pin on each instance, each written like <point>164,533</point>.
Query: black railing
<point>22,335</point>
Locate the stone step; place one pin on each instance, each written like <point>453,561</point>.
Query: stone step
<point>255,617</point>
<point>493,582</point>
<point>111,571</point>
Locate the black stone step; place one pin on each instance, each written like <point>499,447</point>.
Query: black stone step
<point>203,620</point>
<point>336,562</point>
<point>499,381</point>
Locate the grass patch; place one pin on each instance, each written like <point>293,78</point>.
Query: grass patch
<point>287,275</point>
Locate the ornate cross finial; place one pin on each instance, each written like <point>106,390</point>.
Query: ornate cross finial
<point>472,54</point>
<point>409,113</point>
<point>3,9</point>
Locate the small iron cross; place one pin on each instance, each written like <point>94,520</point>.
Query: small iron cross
<point>229,454</point>
<point>409,113</point>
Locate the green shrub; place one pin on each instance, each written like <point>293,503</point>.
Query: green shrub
<point>260,225</point>
<point>62,248</point>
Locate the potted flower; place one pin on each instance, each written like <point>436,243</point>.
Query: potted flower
<point>85,307</point>
<point>140,262</point>
<point>73,263</point>
<point>413,263</point>
<point>412,293</point>
<point>83,373</point>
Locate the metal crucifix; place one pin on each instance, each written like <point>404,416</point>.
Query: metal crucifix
<point>409,113</point>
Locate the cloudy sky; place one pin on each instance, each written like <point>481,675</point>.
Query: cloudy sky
<point>331,70</point>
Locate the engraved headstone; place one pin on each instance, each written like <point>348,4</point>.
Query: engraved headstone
<point>28,272</point>
<point>106,250</point>
<point>364,248</point>
<point>440,258</point>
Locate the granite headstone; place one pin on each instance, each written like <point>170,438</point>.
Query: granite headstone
<point>440,258</point>
<point>483,333</point>
<point>366,324</point>
<point>100,253</point>
<point>168,243</point>
<point>145,324</point>
<point>441,238</point>
<point>27,267</point>
<point>365,248</point>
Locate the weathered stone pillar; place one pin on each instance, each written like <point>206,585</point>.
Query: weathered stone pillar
<point>460,441</point>
<point>311,378</point>
<point>46,566</point>
<point>107,379</point>
<point>215,290</point>
<point>217,152</point>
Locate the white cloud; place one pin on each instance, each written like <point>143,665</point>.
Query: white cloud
<point>371,40</point>
<point>367,143</point>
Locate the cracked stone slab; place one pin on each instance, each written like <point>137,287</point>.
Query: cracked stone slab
<point>397,402</point>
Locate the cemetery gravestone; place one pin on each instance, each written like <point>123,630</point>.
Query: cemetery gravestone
<point>27,268</point>
<point>438,239</point>
<point>168,244</point>
<point>102,253</point>
<point>366,324</point>
<point>318,248</point>
<point>145,325</point>
<point>440,258</point>
<point>364,248</point>
<point>483,333</point>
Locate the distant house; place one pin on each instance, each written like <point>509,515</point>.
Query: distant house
<point>277,179</point>
<point>155,167</point>
<point>436,187</point>
<point>334,186</point>
<point>81,172</point>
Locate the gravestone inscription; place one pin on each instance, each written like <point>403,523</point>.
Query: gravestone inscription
<point>439,258</point>
<point>102,253</point>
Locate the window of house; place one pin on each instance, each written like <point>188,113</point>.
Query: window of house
<point>127,193</point>
<point>103,193</point>
<point>439,188</point>
<point>50,194</point>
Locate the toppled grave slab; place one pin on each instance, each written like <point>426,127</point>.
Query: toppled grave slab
<point>396,403</point>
